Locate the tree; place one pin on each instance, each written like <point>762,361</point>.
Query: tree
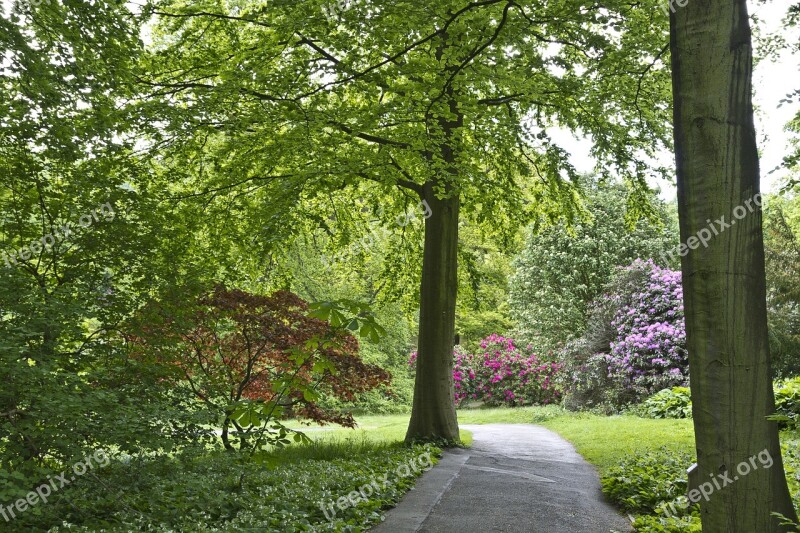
<point>254,359</point>
<point>76,244</point>
<point>562,269</point>
<point>724,283</point>
<point>449,102</point>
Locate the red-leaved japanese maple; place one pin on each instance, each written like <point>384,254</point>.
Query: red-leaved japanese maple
<point>256,359</point>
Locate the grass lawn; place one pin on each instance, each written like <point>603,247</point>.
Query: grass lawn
<point>602,440</point>
<point>606,440</point>
<point>392,428</point>
<point>374,428</point>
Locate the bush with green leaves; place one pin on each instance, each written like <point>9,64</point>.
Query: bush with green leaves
<point>562,270</point>
<point>223,492</point>
<point>653,487</point>
<point>585,380</point>
<point>668,403</point>
<point>787,402</point>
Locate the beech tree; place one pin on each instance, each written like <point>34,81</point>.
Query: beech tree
<point>724,283</point>
<point>449,101</point>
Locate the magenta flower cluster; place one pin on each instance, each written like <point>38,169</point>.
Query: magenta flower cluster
<point>502,373</point>
<point>648,353</point>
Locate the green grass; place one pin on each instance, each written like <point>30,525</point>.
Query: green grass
<point>392,428</point>
<point>606,440</point>
<point>374,428</point>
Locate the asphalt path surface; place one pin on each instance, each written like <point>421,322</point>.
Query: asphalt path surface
<point>515,478</point>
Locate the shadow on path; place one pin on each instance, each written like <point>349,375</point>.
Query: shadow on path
<point>515,478</point>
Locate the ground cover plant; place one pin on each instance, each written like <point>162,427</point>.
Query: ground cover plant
<point>281,490</point>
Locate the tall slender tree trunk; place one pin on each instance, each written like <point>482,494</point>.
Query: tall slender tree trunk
<point>724,283</point>
<point>433,415</point>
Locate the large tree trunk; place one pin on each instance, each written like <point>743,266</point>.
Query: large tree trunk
<point>433,415</point>
<point>724,283</point>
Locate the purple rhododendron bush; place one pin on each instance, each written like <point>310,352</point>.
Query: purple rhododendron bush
<point>503,374</point>
<point>649,351</point>
<point>635,342</point>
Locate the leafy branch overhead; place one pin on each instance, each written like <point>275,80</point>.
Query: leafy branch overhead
<point>296,110</point>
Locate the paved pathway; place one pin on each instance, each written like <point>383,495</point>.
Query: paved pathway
<point>515,478</point>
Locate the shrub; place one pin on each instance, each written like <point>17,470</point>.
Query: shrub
<point>649,352</point>
<point>787,401</point>
<point>642,483</point>
<point>253,359</point>
<point>634,344</point>
<point>585,379</point>
<point>506,374</point>
<point>668,403</point>
<point>502,374</point>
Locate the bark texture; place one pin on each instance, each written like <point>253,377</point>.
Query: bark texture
<point>724,282</point>
<point>433,415</point>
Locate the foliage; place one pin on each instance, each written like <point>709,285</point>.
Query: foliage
<point>654,483</point>
<point>634,344</point>
<point>503,374</point>
<point>484,272</point>
<point>563,269</point>
<point>253,359</point>
<point>790,26</point>
<point>790,448</point>
<point>585,378</point>
<point>649,351</point>
<point>90,243</point>
<point>395,142</point>
<point>787,401</point>
<point>668,523</point>
<point>360,277</point>
<point>783,293</point>
<point>229,492</point>
<point>668,403</point>
<point>640,484</point>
